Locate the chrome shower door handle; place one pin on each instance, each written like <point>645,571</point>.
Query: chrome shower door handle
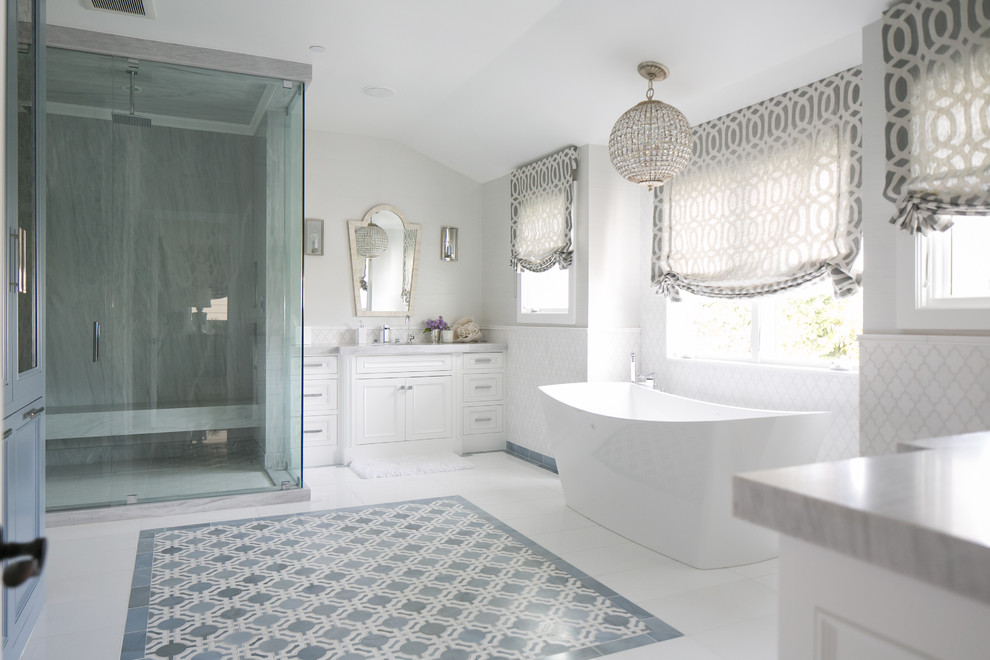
<point>18,279</point>
<point>22,261</point>
<point>13,256</point>
<point>96,341</point>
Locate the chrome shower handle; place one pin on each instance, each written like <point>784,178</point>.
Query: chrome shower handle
<point>18,278</point>
<point>96,341</point>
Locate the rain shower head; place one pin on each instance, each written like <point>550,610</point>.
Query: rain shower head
<point>131,119</point>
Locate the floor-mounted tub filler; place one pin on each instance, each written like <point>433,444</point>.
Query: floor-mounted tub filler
<point>657,468</point>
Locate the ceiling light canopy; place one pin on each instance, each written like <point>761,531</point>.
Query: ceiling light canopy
<point>378,91</point>
<point>651,142</point>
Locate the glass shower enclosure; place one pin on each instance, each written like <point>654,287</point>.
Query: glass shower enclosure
<point>174,265</point>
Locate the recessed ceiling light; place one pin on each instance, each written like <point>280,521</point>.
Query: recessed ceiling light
<point>316,48</point>
<point>378,92</point>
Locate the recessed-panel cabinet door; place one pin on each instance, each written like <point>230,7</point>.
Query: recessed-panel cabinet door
<point>380,410</point>
<point>428,406</point>
<point>23,517</point>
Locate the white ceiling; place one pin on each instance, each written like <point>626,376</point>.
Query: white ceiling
<point>484,86</point>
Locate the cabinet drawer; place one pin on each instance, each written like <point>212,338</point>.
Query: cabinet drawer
<point>482,387</point>
<point>402,364</point>
<point>482,361</point>
<point>482,419</point>
<point>320,430</point>
<point>319,395</point>
<point>320,365</point>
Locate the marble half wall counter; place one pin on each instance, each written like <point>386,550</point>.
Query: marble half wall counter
<point>63,425</point>
<point>920,514</point>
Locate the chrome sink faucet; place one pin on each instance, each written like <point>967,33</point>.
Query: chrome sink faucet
<point>409,336</point>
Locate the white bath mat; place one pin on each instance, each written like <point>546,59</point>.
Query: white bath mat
<point>401,466</point>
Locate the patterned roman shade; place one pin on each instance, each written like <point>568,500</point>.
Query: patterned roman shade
<point>542,196</point>
<point>770,200</point>
<point>937,84</point>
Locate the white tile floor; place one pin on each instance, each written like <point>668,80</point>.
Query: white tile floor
<point>728,614</point>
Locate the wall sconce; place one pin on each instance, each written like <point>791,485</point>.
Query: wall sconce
<point>314,237</point>
<point>448,243</point>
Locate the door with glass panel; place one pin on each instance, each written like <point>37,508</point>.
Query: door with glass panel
<point>160,271</point>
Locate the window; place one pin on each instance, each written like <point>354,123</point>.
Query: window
<point>771,199</point>
<point>541,219</point>
<point>546,297</point>
<point>953,269</point>
<point>805,326</point>
<point>936,87</point>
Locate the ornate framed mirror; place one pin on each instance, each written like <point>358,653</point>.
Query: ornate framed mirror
<point>384,262</point>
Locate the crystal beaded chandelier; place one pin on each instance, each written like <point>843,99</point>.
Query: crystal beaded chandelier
<point>370,241</point>
<point>651,142</point>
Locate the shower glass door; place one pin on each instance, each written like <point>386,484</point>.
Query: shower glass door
<point>174,266</point>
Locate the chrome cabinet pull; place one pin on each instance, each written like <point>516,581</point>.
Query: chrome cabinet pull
<point>308,396</point>
<point>96,341</point>
<point>482,387</point>
<point>312,431</point>
<point>482,360</point>
<point>482,419</point>
<point>7,433</point>
<point>31,414</point>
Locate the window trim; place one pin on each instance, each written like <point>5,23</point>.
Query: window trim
<point>552,318</point>
<point>932,271</point>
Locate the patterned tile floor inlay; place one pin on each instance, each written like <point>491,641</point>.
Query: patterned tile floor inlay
<point>436,578</point>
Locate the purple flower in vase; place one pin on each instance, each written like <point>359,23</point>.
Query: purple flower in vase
<point>435,324</point>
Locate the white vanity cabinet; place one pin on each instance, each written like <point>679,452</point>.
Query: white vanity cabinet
<point>320,410</point>
<point>409,399</point>
<point>399,398</point>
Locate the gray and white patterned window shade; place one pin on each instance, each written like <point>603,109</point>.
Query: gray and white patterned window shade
<point>937,85</point>
<point>542,196</point>
<point>770,200</point>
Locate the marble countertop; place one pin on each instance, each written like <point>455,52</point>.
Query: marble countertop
<point>921,513</point>
<point>400,349</point>
<point>961,441</point>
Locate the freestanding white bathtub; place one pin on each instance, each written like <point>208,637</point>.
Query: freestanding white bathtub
<point>657,468</point>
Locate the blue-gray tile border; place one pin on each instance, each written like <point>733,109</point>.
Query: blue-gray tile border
<point>530,456</point>
<point>134,641</point>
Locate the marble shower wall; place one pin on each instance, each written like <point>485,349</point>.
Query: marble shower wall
<point>921,386</point>
<point>145,226</point>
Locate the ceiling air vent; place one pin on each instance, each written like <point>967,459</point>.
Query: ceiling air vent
<point>132,7</point>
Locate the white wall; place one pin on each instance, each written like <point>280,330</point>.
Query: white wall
<point>615,210</point>
<point>345,176</point>
<point>499,285</point>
